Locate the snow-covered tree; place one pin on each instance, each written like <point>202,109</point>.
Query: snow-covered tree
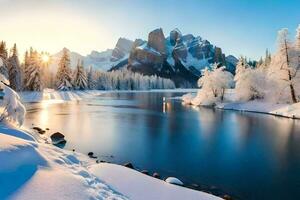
<point>91,78</point>
<point>213,82</point>
<point>249,82</point>
<point>3,50</point>
<point>64,73</point>
<point>3,55</point>
<point>13,111</point>
<point>80,78</point>
<point>284,67</point>
<point>34,72</point>
<point>14,70</point>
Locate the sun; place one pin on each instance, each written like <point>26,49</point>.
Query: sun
<point>45,58</point>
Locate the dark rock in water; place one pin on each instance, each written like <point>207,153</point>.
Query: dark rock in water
<point>156,175</point>
<point>129,165</point>
<point>37,128</point>
<point>100,161</point>
<point>58,138</point>
<point>91,155</point>
<point>145,172</point>
<point>227,197</point>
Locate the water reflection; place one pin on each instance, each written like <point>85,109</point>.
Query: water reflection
<point>253,156</point>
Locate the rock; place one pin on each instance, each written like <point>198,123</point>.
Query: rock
<point>174,36</point>
<point>91,155</point>
<point>145,172</point>
<point>129,165</point>
<point>180,51</point>
<point>37,128</point>
<point>73,150</point>
<point>156,175</point>
<point>58,138</point>
<point>227,197</point>
<point>47,129</point>
<point>173,180</point>
<point>122,48</point>
<point>156,40</point>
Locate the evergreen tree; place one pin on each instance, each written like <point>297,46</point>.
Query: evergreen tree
<point>63,76</point>
<point>34,72</point>
<point>3,55</point>
<point>3,50</point>
<point>80,79</point>
<point>14,70</point>
<point>91,84</point>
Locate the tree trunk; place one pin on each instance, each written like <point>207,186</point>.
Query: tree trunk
<point>292,89</point>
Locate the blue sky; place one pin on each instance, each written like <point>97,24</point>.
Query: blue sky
<point>240,27</point>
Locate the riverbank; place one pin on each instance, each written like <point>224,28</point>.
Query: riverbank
<point>32,169</point>
<point>256,106</point>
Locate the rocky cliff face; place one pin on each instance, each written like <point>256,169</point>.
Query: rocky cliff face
<point>121,49</point>
<point>179,57</point>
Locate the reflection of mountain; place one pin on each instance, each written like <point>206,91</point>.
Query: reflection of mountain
<point>179,57</point>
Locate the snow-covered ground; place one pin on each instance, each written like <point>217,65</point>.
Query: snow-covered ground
<point>137,186</point>
<point>258,106</point>
<point>34,170</point>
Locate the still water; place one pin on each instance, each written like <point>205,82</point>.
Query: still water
<point>247,155</point>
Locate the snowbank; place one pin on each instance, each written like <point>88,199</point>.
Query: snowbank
<point>136,185</point>
<point>258,106</point>
<point>283,110</point>
<point>33,170</point>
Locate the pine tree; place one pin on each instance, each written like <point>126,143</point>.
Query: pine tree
<point>80,79</point>
<point>91,84</point>
<point>63,76</point>
<point>34,72</point>
<point>3,50</point>
<point>3,55</point>
<point>14,70</point>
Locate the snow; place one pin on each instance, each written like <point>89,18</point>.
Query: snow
<point>31,170</point>
<point>257,106</point>
<point>136,185</point>
<point>173,180</point>
<point>34,170</point>
<point>283,110</point>
<point>198,64</point>
<point>148,48</point>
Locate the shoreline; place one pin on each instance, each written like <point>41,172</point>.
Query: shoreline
<point>77,164</point>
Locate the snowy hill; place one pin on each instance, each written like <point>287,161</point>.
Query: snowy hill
<point>104,60</point>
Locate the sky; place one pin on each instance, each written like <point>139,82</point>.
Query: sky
<point>239,27</point>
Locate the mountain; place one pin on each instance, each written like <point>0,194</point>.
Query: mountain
<point>104,60</point>
<point>179,57</point>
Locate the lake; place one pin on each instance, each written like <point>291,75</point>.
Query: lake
<point>246,155</point>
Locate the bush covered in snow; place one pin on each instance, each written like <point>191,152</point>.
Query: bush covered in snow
<point>13,110</point>
<point>213,83</point>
